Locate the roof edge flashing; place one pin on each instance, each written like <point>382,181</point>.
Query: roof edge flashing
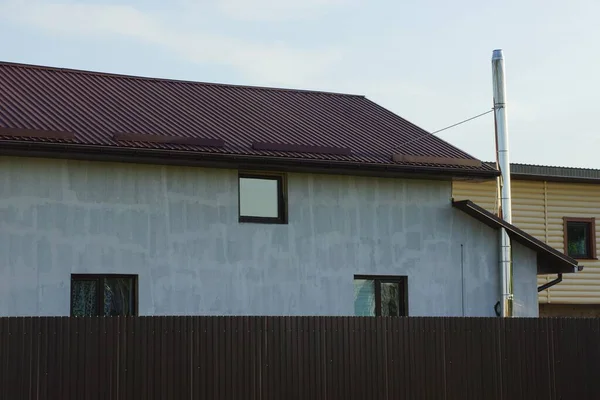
<point>553,260</point>
<point>124,153</point>
<point>37,133</point>
<point>407,158</point>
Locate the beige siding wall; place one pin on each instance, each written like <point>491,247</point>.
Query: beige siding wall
<point>539,208</point>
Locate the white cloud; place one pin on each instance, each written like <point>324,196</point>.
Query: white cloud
<point>84,19</point>
<point>270,63</point>
<point>269,10</point>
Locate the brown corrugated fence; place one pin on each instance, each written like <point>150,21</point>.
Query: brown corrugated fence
<point>299,358</point>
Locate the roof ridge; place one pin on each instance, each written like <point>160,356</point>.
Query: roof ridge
<point>169,80</point>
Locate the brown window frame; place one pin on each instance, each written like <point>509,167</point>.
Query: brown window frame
<point>378,280</point>
<point>281,198</point>
<point>592,236</point>
<point>99,278</point>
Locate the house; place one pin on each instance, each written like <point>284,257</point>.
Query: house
<point>126,195</point>
<point>559,206</point>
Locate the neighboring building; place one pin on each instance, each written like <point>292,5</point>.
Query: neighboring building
<point>127,195</point>
<point>559,206</point>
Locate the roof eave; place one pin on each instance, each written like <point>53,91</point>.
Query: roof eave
<point>549,260</point>
<point>229,160</point>
<point>553,178</point>
<point>529,172</point>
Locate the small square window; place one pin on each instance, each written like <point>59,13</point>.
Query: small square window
<point>380,296</point>
<point>261,199</point>
<point>103,295</point>
<point>580,237</point>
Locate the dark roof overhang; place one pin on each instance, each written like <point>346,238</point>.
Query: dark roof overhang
<point>529,172</point>
<point>549,260</point>
<point>238,161</point>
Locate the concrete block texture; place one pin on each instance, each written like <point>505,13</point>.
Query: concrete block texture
<point>177,228</point>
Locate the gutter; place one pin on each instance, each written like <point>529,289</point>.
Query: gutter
<point>221,160</point>
<point>545,286</point>
<point>554,178</point>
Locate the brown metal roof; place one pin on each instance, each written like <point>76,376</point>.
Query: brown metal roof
<point>102,109</point>
<point>552,173</point>
<point>549,260</point>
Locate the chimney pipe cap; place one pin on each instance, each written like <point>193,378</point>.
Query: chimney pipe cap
<point>498,55</point>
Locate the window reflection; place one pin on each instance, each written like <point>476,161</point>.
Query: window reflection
<point>380,296</point>
<point>84,300</point>
<point>364,298</point>
<point>390,299</point>
<point>118,297</point>
<point>259,197</point>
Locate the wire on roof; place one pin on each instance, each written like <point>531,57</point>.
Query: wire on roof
<point>443,129</point>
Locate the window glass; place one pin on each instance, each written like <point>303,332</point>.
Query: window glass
<point>380,296</point>
<point>118,296</point>
<point>84,298</point>
<point>103,295</point>
<point>578,239</point>
<point>364,297</point>
<point>259,197</point>
<point>390,299</point>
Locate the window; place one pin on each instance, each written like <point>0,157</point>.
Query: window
<point>380,296</point>
<point>262,199</point>
<point>103,295</point>
<point>580,237</point>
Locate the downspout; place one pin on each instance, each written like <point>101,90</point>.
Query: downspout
<point>548,285</point>
<point>503,164</point>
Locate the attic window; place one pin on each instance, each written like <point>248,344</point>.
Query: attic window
<point>262,198</point>
<point>580,237</point>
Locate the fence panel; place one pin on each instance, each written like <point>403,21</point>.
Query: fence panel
<point>260,358</point>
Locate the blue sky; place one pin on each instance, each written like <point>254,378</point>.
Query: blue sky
<point>428,61</point>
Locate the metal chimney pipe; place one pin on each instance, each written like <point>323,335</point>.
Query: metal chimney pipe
<point>503,164</point>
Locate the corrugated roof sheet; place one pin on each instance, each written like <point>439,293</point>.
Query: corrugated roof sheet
<point>548,171</point>
<point>95,106</point>
<point>563,172</point>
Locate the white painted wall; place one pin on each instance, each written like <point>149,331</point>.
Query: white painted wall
<point>177,228</point>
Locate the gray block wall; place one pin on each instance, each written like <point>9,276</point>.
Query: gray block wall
<point>178,229</point>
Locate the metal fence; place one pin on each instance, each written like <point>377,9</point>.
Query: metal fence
<point>298,358</point>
